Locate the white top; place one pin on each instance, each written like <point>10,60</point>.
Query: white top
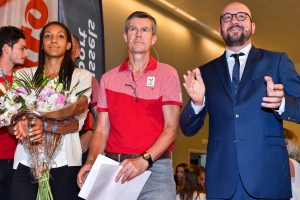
<point>71,152</point>
<point>296,181</point>
<point>201,196</point>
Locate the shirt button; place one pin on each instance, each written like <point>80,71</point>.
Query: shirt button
<point>237,115</point>
<point>234,141</point>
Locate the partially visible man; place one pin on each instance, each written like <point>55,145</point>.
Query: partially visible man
<point>13,52</point>
<point>138,115</point>
<point>87,130</point>
<point>248,92</point>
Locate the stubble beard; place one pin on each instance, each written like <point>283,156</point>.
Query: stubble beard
<point>15,62</point>
<point>235,40</point>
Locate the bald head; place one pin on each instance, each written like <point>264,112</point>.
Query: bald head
<point>75,49</point>
<point>236,26</point>
<point>236,7</point>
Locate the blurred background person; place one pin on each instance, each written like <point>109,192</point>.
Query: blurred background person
<point>293,148</point>
<point>202,179</point>
<point>179,171</point>
<point>190,189</point>
<point>87,130</point>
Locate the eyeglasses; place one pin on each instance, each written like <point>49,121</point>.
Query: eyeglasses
<point>134,94</point>
<point>240,16</point>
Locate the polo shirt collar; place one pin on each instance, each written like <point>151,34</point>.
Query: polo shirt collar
<point>151,65</point>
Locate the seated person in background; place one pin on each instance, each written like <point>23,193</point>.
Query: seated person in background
<point>179,173</point>
<point>293,149</point>
<point>190,189</point>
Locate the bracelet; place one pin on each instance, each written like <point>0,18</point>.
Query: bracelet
<point>54,127</point>
<point>45,125</point>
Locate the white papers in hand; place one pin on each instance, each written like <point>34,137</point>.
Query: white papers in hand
<point>100,182</point>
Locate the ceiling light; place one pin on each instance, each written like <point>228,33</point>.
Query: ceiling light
<point>189,16</point>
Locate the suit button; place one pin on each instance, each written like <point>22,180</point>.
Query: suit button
<point>234,141</point>
<point>237,115</point>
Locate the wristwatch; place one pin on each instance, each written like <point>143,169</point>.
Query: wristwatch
<point>147,156</point>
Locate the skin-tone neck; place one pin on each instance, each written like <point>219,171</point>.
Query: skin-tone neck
<point>237,49</point>
<point>53,66</point>
<point>138,62</point>
<point>6,66</point>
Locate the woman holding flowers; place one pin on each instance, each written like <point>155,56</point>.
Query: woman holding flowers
<point>54,62</point>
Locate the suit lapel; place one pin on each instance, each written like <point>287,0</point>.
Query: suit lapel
<point>222,68</point>
<point>252,60</point>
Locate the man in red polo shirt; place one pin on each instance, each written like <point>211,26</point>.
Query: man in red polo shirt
<point>13,52</point>
<point>138,112</point>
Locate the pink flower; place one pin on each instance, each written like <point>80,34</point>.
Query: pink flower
<point>20,90</point>
<point>61,99</point>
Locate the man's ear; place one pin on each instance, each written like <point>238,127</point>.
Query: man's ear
<point>77,53</point>
<point>6,49</point>
<point>253,27</point>
<point>125,37</point>
<point>154,38</point>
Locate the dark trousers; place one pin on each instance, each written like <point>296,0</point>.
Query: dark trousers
<point>6,175</point>
<point>62,182</point>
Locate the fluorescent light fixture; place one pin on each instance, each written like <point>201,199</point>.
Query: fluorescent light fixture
<point>167,4</point>
<point>185,14</point>
<point>189,16</point>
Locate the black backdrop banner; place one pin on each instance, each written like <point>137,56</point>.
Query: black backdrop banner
<point>84,19</point>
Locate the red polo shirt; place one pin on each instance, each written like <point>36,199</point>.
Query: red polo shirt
<point>135,126</point>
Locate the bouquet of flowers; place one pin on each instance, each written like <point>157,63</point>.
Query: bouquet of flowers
<point>43,98</point>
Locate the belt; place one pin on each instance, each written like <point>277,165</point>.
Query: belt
<point>121,157</point>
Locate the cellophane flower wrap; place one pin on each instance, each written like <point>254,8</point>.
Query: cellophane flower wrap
<point>41,98</point>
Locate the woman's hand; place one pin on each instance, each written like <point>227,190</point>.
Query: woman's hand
<point>32,127</point>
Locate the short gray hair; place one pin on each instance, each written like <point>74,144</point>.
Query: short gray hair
<point>141,14</point>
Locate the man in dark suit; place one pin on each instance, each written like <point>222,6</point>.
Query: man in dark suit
<point>247,95</point>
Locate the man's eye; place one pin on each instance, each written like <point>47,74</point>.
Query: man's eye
<point>146,30</point>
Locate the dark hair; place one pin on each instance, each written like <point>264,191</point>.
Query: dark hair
<point>191,184</point>
<point>10,35</point>
<point>183,165</point>
<point>67,66</point>
<point>141,14</point>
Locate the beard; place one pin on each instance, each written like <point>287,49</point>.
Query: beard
<point>236,40</point>
<point>19,62</point>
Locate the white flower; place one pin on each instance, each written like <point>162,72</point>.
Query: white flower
<point>30,99</point>
<point>12,107</point>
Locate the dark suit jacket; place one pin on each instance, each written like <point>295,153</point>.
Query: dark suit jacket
<point>246,139</point>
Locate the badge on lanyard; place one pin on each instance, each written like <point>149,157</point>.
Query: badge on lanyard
<point>150,81</point>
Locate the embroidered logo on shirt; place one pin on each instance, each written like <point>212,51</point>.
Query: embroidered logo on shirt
<point>150,81</point>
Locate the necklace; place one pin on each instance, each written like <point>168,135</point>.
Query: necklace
<point>4,76</point>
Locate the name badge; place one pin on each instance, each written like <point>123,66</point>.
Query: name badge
<point>150,81</point>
